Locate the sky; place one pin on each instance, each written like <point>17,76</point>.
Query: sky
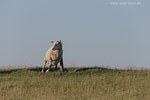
<point>94,32</point>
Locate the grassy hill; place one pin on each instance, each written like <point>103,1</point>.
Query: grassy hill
<point>93,83</point>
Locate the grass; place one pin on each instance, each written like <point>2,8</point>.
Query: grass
<point>93,83</point>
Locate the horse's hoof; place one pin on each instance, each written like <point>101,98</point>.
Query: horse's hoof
<point>47,70</point>
<point>42,71</point>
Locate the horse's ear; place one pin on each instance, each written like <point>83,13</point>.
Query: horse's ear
<point>52,41</point>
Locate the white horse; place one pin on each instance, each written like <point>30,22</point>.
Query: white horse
<point>54,55</point>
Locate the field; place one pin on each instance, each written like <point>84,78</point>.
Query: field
<point>93,83</point>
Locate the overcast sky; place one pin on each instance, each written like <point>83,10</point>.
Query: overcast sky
<point>94,32</point>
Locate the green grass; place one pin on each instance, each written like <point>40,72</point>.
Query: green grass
<point>74,84</point>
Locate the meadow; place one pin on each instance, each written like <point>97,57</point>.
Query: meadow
<point>84,83</point>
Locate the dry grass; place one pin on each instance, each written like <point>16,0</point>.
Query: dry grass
<point>75,84</point>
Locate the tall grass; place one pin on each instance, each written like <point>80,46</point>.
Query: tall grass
<point>75,84</point>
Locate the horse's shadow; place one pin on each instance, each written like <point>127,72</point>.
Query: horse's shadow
<point>39,69</point>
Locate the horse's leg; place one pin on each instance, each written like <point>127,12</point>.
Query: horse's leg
<point>61,65</point>
<point>49,67</point>
<point>56,67</point>
<point>44,64</point>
